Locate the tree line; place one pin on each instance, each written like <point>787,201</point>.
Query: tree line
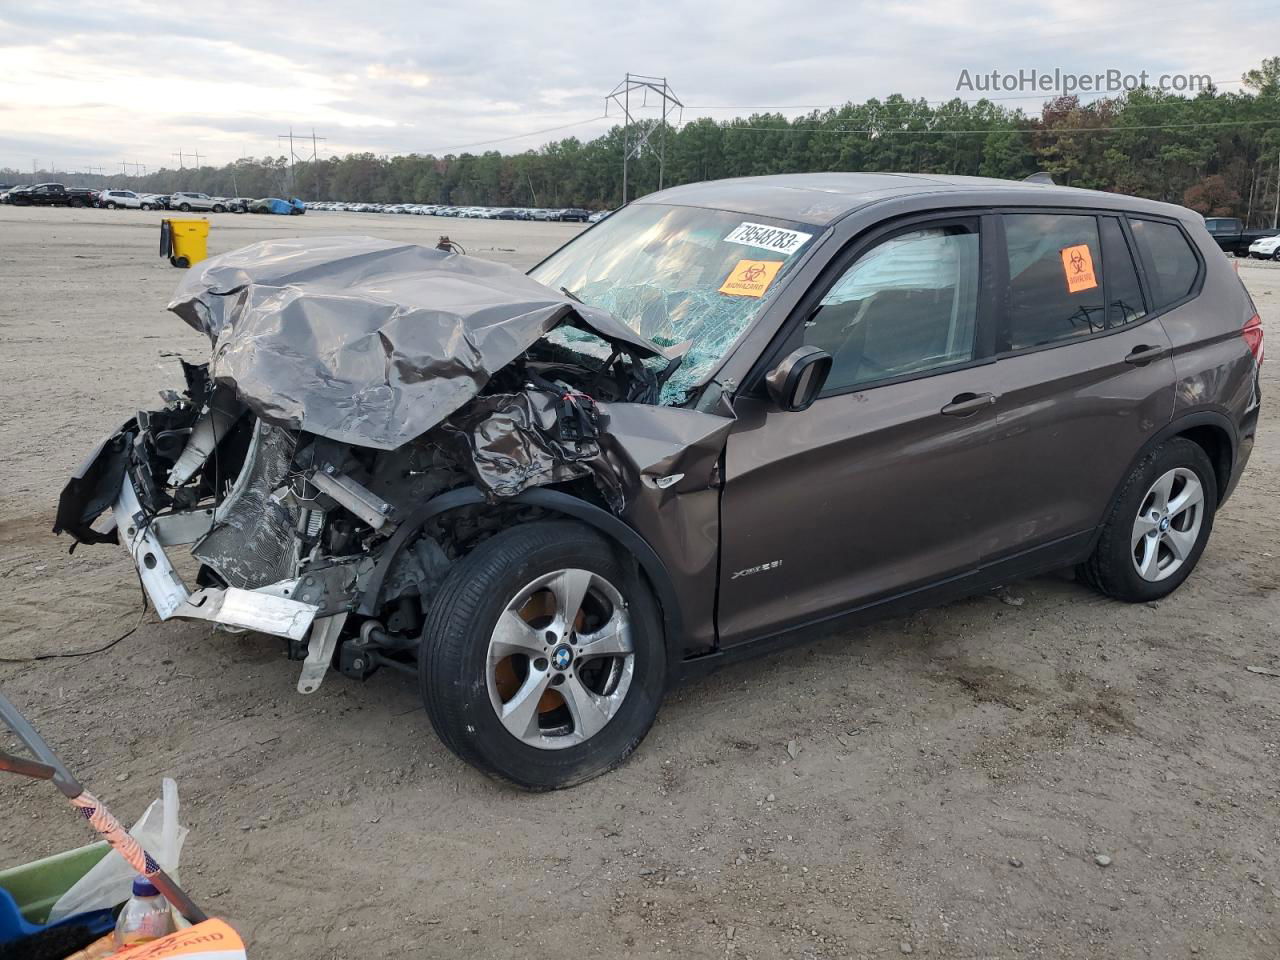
<point>1217,152</point>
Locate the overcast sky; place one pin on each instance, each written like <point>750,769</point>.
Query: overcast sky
<point>86,85</point>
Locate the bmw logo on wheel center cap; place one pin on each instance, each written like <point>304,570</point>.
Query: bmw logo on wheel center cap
<point>562,656</point>
<point>1164,524</point>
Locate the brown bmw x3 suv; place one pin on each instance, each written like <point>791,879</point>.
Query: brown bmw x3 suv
<point>723,415</point>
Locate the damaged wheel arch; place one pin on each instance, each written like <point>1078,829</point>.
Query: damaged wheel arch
<point>623,537</point>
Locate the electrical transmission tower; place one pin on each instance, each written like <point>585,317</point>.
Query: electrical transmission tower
<point>293,157</point>
<point>643,86</point>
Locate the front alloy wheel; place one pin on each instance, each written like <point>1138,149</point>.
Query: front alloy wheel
<point>542,661</point>
<point>561,659</point>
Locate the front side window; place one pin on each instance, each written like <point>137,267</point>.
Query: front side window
<point>1055,278</point>
<point>674,274</point>
<point>906,306</point>
<point>1169,255</point>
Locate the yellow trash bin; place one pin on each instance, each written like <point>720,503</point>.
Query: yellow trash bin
<point>184,242</point>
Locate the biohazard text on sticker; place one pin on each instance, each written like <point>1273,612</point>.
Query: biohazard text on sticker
<point>1077,263</point>
<point>750,278</point>
<point>777,239</point>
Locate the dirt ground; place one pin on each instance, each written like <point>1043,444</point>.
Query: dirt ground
<point>954,776</point>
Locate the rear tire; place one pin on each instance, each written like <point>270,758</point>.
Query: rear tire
<point>219,208</point>
<point>1148,548</point>
<point>463,664</point>
<point>185,208</point>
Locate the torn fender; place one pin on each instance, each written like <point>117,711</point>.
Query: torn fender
<point>366,341</point>
<point>512,442</point>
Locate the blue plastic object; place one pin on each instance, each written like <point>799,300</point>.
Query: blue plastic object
<point>14,927</point>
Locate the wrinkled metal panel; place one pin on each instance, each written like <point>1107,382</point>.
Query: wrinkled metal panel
<point>253,541</point>
<point>367,341</point>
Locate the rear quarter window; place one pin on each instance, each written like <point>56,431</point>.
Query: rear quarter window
<point>1172,265</point>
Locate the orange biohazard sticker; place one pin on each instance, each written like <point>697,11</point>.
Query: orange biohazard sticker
<point>751,278</point>
<point>1077,263</point>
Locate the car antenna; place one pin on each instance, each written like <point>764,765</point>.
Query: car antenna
<point>571,295</point>
<point>1040,176</point>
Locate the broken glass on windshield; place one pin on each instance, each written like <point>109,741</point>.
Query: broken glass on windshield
<point>675,274</point>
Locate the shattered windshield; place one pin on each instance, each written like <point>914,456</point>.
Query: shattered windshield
<point>674,274</point>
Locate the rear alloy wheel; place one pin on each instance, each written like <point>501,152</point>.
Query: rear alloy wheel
<point>1158,525</point>
<point>185,207</point>
<point>219,208</point>
<point>111,205</point>
<point>542,660</point>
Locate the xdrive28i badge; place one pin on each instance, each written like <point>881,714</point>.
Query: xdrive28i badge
<point>758,568</point>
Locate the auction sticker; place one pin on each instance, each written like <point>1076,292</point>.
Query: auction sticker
<point>750,278</point>
<point>777,239</point>
<point>1077,264</point>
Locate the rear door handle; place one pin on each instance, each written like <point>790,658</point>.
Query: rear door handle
<point>967,404</point>
<point>1141,355</point>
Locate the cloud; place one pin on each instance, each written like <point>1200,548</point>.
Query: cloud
<point>96,83</point>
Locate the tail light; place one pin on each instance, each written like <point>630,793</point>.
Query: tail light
<point>1252,333</point>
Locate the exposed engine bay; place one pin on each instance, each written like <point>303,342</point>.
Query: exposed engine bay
<point>371,411</point>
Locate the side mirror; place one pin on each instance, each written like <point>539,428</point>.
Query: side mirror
<point>796,382</point>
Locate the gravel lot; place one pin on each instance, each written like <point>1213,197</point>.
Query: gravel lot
<point>939,785</point>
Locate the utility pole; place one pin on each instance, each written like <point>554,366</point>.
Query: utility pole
<point>289,136</point>
<point>621,95</point>
<point>1275,217</point>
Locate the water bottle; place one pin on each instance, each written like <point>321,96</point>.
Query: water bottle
<point>146,915</point>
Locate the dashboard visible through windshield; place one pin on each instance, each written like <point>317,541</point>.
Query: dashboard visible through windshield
<point>675,274</point>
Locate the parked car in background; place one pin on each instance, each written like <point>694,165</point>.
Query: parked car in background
<point>11,195</point>
<point>154,201</point>
<point>1231,236</point>
<point>185,201</point>
<point>276,205</point>
<point>598,216</point>
<point>1268,248</point>
<point>54,195</point>
<point>574,215</point>
<point>111,199</point>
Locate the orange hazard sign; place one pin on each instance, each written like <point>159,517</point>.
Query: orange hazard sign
<point>1077,264</point>
<point>751,278</point>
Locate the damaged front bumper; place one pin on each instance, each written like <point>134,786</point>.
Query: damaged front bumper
<point>270,609</point>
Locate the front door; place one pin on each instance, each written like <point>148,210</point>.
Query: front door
<point>879,486</point>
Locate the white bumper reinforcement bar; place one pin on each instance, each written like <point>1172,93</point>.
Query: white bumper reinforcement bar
<point>266,610</point>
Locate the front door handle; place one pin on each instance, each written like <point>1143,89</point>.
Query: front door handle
<point>967,404</point>
<point>1140,356</point>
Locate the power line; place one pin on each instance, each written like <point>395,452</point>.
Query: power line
<point>1058,131</point>
<point>518,136</point>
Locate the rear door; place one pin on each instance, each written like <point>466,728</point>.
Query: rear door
<point>1084,378</point>
<point>877,487</point>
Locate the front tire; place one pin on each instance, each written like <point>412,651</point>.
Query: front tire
<point>542,661</point>
<point>1158,525</point>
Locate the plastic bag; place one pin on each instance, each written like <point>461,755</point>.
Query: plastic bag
<point>110,880</point>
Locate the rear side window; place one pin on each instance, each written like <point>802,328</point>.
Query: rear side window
<point>1172,265</point>
<point>1055,278</point>
<point>1124,293</point>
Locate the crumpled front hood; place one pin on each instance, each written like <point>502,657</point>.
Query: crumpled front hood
<point>366,341</point>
